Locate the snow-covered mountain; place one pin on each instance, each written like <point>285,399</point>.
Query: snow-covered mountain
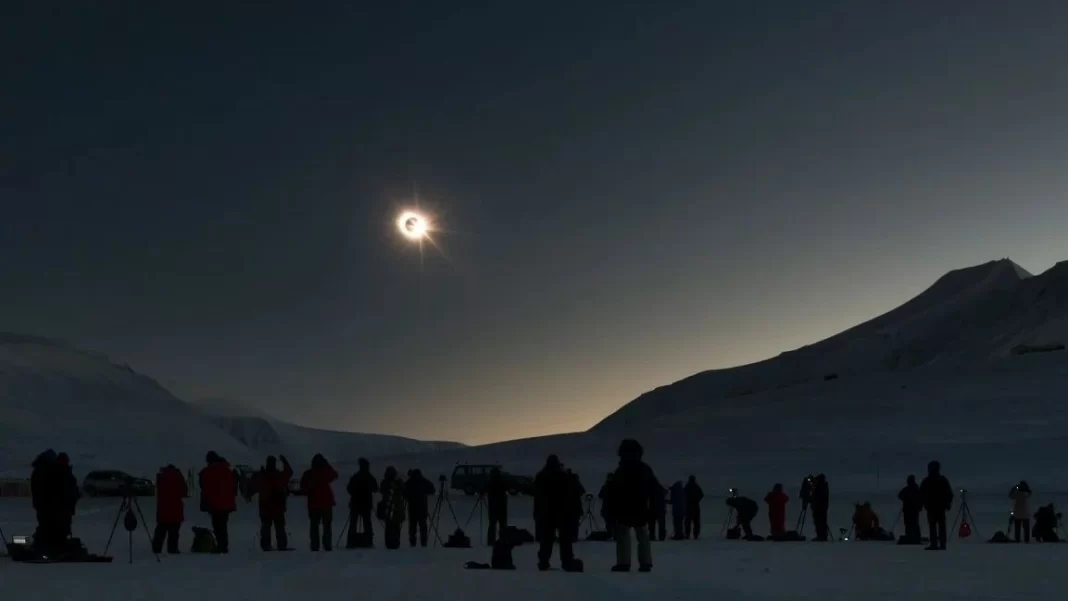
<point>106,415</point>
<point>266,435</point>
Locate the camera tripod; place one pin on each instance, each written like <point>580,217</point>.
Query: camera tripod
<point>801,518</point>
<point>480,505</point>
<point>965,512</point>
<point>435,515</point>
<point>588,517</point>
<point>128,505</point>
<point>730,514</point>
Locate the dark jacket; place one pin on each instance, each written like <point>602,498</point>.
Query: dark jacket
<point>45,484</point>
<point>171,490</point>
<point>821,495</point>
<point>911,498</point>
<point>937,494</point>
<point>678,499</point>
<point>694,494</point>
<point>552,496</point>
<point>272,486</point>
<point>417,490</point>
<point>637,487</point>
<point>362,487</point>
<point>497,494</point>
<point>747,508</point>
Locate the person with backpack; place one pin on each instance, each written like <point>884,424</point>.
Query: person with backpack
<point>218,498</point>
<point>317,484</point>
<point>1021,510</point>
<point>694,495</point>
<point>171,491</point>
<point>911,505</point>
<point>937,497</point>
<point>636,486</point>
<point>272,486</point>
<point>362,488</point>
<point>776,501</point>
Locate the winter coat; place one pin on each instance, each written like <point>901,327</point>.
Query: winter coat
<point>552,496</point>
<point>272,486</point>
<point>821,496</point>
<point>694,494</point>
<point>864,520</point>
<point>678,500</point>
<point>497,495</point>
<point>911,498</point>
<point>636,488</point>
<point>417,491</point>
<point>218,488</point>
<point>45,483</point>
<point>1021,506</point>
<point>316,484</point>
<point>396,501</point>
<point>362,487</point>
<point>777,511</point>
<point>747,508</point>
<point>937,494</point>
<point>171,490</point>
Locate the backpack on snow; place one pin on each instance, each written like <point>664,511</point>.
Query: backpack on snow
<point>203,541</point>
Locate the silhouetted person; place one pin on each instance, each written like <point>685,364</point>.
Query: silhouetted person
<point>694,495</point>
<point>866,522</point>
<point>44,489</point>
<point>318,490</point>
<point>937,500</point>
<point>392,506</point>
<point>553,510</point>
<point>911,506</point>
<point>218,498</point>
<point>362,488</point>
<point>577,494</point>
<point>806,492</point>
<point>497,504</point>
<point>659,517</point>
<point>637,487</point>
<point>745,509</point>
<point>416,492</point>
<point>1046,522</point>
<point>272,486</point>
<point>820,503</point>
<point>608,504</point>
<point>69,493</point>
<point>678,510</point>
<point>171,491</point>
<point>1021,510</point>
<point>776,500</point>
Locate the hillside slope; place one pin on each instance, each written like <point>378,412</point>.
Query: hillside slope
<point>968,317</point>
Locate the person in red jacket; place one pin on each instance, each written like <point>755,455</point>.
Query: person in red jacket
<point>272,485</point>
<point>776,500</point>
<point>218,497</point>
<point>316,484</point>
<point>170,498</point>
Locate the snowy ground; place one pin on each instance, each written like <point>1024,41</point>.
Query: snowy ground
<point>711,568</point>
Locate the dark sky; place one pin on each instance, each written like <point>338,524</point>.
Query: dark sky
<point>630,192</point>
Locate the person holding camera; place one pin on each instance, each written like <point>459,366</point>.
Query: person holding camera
<point>1021,510</point>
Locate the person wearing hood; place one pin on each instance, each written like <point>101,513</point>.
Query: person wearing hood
<point>694,495</point>
<point>362,488</point>
<point>171,490</point>
<point>678,510</point>
<point>776,500</point>
<point>1021,510</point>
<point>637,487</point>
<point>218,498</point>
<point>417,491</point>
<point>497,504</point>
<point>272,486</point>
<point>317,484</point>
<point>553,508</point>
<point>45,491</point>
<point>911,506</point>
<point>937,495</point>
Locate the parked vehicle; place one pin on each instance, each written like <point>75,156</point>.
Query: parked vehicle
<point>113,483</point>
<point>472,479</point>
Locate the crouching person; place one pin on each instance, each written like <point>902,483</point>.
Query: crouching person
<point>171,491</point>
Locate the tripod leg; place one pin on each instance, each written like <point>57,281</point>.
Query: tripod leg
<point>971,518</point>
<point>114,526</point>
<point>345,527</point>
<point>144,524</point>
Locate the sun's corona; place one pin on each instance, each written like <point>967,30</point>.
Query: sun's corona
<point>412,225</point>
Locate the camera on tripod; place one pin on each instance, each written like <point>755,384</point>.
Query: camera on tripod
<point>733,492</point>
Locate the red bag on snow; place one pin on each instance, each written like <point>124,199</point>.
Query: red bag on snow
<point>965,530</point>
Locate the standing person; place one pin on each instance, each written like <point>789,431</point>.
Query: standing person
<point>776,500</point>
<point>171,490</point>
<point>937,497</point>
<point>362,488</point>
<point>552,514</point>
<point>416,492</point>
<point>659,515</point>
<point>391,507</point>
<point>69,493</point>
<point>821,504</point>
<point>678,510</point>
<point>694,494</point>
<point>317,484</point>
<point>497,503</point>
<point>272,486</point>
<point>911,506</point>
<point>1021,510</point>
<point>218,498</point>
<point>576,492</point>
<point>637,488</point>
<point>44,489</point>
<point>608,502</point>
